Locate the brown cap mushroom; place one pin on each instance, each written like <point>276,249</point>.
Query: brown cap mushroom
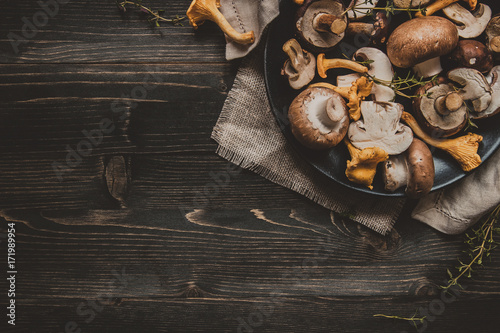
<point>318,118</point>
<point>469,25</point>
<point>300,68</point>
<point>419,43</point>
<point>413,169</point>
<point>376,31</point>
<point>380,127</point>
<point>202,10</point>
<point>439,109</point>
<point>473,54</point>
<point>493,33</point>
<point>321,24</point>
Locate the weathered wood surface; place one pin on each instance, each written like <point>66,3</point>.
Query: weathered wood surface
<point>135,237</point>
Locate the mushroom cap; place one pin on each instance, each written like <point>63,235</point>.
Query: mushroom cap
<point>473,54</point>
<point>493,33</point>
<point>318,118</point>
<point>410,3</point>
<point>469,25</point>
<point>424,110</point>
<point>317,41</point>
<point>420,169</point>
<point>421,39</point>
<point>361,13</point>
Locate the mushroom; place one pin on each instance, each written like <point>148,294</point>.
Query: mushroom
<point>356,93</point>
<point>300,68</point>
<point>380,127</point>
<point>318,118</point>
<point>441,4</point>
<point>413,169</point>
<point>202,10</point>
<point>410,3</point>
<point>439,109</point>
<point>299,2</point>
<point>326,64</point>
<point>475,87</point>
<point>362,167</point>
<point>494,106</point>
<point>376,31</point>
<point>493,34</point>
<point>473,54</point>
<point>321,24</point>
<point>469,25</point>
<point>420,42</point>
<point>463,149</point>
<point>359,9</point>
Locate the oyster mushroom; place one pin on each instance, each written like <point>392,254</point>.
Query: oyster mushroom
<point>380,127</point>
<point>362,166</point>
<point>473,54</point>
<point>469,25</point>
<point>202,10</point>
<point>420,42</point>
<point>318,118</point>
<point>439,109</point>
<point>413,169</point>
<point>300,68</point>
<point>463,149</point>
<point>321,24</point>
<point>440,4</point>
<point>359,9</point>
<point>493,33</point>
<point>475,87</point>
<point>376,31</point>
<point>326,64</point>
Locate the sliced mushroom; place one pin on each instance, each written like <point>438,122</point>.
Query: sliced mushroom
<point>494,107</point>
<point>441,4</point>
<point>420,42</point>
<point>413,169</point>
<point>321,24</point>
<point>439,109</point>
<point>469,25</point>
<point>493,33</point>
<point>326,64</point>
<point>410,3</point>
<point>359,9</point>
<point>475,88</point>
<point>300,68</point>
<point>362,166</point>
<point>202,10</point>
<point>375,31</point>
<point>318,118</point>
<point>380,127</point>
<point>473,54</point>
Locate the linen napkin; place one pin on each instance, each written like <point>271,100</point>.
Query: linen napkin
<point>249,136</point>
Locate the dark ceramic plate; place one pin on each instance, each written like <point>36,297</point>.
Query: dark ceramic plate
<point>332,162</point>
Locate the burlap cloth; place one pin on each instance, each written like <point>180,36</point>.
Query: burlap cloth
<point>249,136</point>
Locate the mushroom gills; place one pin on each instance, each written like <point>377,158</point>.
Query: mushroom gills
<point>325,112</point>
<point>469,25</point>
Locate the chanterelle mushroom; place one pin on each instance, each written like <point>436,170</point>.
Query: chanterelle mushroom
<point>321,24</point>
<point>463,149</point>
<point>318,118</point>
<point>440,4</point>
<point>380,127</point>
<point>300,68</point>
<point>420,42</point>
<point>439,109</point>
<point>202,10</point>
<point>326,64</point>
<point>475,88</point>
<point>469,25</point>
<point>413,169</point>
<point>362,167</point>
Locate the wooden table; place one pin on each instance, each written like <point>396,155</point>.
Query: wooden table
<point>129,232</point>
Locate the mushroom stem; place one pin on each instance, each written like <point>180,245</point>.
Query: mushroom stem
<point>329,23</point>
<point>202,10</point>
<point>294,51</point>
<point>463,149</point>
<point>448,103</point>
<point>326,64</point>
<point>355,28</point>
<point>299,2</point>
<point>440,4</point>
<point>428,68</point>
<point>495,44</point>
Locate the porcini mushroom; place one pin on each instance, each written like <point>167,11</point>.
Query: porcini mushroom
<point>318,118</point>
<point>475,87</point>
<point>494,106</point>
<point>202,10</point>
<point>362,166</point>
<point>463,149</point>
<point>321,24</point>
<point>440,4</point>
<point>380,127</point>
<point>375,31</point>
<point>413,169</point>
<point>469,25</point>
<point>359,9</point>
<point>420,42</point>
<point>472,54</point>
<point>300,68</point>
<point>324,64</point>
<point>493,33</point>
<point>439,109</point>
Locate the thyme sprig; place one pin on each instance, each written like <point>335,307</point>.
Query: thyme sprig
<point>154,16</point>
<point>400,84</point>
<point>414,319</point>
<point>389,8</point>
<point>481,243</point>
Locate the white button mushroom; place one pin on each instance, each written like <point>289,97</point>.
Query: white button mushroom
<point>469,25</point>
<point>300,68</point>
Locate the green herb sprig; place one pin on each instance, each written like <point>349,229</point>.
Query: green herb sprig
<point>400,84</point>
<point>414,319</point>
<point>154,16</point>
<point>390,8</point>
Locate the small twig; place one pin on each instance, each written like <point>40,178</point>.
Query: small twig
<point>154,16</point>
<point>413,319</point>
